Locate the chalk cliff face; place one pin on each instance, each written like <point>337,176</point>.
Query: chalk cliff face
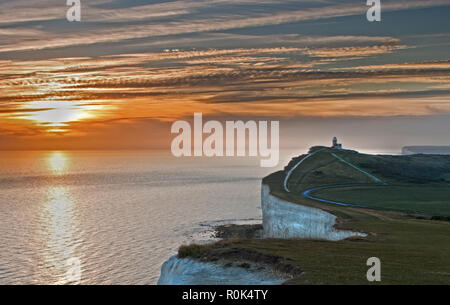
<point>283,219</point>
<point>185,271</point>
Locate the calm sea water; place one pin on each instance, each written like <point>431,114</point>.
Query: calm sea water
<point>122,214</point>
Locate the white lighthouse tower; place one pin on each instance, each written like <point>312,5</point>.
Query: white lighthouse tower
<point>336,145</point>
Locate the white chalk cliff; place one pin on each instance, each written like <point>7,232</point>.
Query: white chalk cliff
<point>186,271</point>
<point>284,219</point>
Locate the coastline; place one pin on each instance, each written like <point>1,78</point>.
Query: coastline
<point>226,266</point>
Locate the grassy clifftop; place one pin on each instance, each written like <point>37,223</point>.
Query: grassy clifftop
<point>415,184</point>
<point>413,246</point>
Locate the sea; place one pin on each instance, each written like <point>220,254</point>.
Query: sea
<point>118,214</point>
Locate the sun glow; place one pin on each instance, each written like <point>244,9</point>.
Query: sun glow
<point>56,115</point>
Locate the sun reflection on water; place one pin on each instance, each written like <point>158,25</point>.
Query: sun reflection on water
<point>60,233</point>
<point>57,162</point>
<point>60,229</point>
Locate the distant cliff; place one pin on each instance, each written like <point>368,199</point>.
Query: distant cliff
<point>426,150</point>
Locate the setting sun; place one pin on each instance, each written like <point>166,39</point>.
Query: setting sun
<point>57,115</point>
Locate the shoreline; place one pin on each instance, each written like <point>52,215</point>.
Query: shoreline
<point>217,263</point>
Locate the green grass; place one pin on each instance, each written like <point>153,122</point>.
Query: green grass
<point>324,169</point>
<point>417,184</point>
<point>415,169</point>
<point>420,199</point>
<point>192,250</point>
<point>411,252</point>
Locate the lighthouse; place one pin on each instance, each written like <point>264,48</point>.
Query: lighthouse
<point>336,145</point>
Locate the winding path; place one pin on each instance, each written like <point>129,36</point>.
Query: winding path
<point>358,169</point>
<point>306,193</point>
<point>289,173</point>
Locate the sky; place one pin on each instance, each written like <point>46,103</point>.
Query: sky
<point>121,76</point>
